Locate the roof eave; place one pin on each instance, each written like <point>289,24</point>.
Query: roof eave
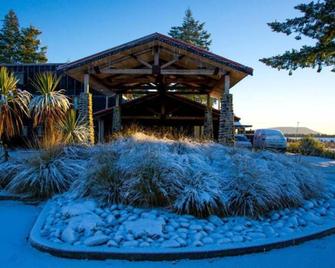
<point>163,38</point>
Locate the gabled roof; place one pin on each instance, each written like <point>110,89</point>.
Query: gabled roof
<point>164,39</point>
<point>157,62</point>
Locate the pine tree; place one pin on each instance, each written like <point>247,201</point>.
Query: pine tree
<point>9,39</point>
<point>318,23</point>
<point>20,45</point>
<point>191,31</point>
<point>30,50</point>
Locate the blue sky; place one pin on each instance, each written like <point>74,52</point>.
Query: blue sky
<point>78,28</point>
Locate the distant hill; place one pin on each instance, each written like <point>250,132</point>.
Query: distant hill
<point>293,130</point>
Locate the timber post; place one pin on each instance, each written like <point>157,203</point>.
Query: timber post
<point>226,123</point>
<point>86,108</point>
<point>208,124</point>
<point>101,131</point>
<point>116,115</point>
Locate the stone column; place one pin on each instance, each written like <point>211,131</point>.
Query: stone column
<point>86,108</point>
<point>116,115</point>
<point>226,123</point>
<point>208,124</point>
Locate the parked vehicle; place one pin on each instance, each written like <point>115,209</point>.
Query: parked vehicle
<point>242,141</point>
<point>269,139</point>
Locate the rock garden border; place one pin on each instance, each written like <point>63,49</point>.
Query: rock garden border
<point>159,254</point>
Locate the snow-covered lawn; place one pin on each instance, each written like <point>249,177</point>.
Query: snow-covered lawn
<point>17,220</point>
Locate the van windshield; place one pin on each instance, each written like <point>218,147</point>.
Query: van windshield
<point>272,132</point>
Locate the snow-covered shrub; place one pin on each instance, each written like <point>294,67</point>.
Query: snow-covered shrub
<point>308,180</point>
<point>309,183</point>
<point>131,170</point>
<point>249,191</point>
<point>46,174</point>
<point>102,179</point>
<point>280,170</point>
<point>263,181</point>
<point>78,151</point>
<point>200,196</point>
<point>195,178</point>
<point>144,175</point>
<point>8,170</point>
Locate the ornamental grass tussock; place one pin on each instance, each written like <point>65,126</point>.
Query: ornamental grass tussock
<point>47,173</point>
<point>202,178</point>
<point>188,177</point>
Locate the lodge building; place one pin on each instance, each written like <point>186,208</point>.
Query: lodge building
<point>148,82</point>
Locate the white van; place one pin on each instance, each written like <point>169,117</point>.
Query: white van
<point>269,139</point>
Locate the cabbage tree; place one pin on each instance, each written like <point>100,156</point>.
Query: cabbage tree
<point>13,107</point>
<point>50,105</point>
<point>73,129</point>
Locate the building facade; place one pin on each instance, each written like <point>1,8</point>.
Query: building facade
<point>159,73</point>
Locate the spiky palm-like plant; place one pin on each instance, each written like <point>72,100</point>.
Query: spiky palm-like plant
<point>49,107</point>
<point>13,105</point>
<point>73,130</point>
<point>48,173</point>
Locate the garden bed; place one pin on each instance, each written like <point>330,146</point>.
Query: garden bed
<point>84,229</point>
<point>143,197</point>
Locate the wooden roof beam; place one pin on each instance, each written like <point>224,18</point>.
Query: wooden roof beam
<point>126,71</point>
<point>219,85</point>
<point>110,63</point>
<point>190,72</point>
<point>156,51</point>
<point>116,82</point>
<point>209,72</point>
<point>141,61</point>
<point>178,58</point>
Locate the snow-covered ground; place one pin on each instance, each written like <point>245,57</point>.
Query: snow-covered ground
<point>326,166</point>
<point>17,219</point>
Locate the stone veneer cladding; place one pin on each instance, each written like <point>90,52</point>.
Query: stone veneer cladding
<point>226,123</point>
<point>86,113</point>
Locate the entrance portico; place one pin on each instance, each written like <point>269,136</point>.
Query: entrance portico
<point>162,66</point>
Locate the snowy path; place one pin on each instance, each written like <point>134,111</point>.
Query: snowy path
<point>17,219</point>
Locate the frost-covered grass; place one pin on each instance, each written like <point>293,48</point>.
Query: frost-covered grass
<point>49,172</point>
<point>102,179</point>
<point>197,178</point>
<point>7,171</point>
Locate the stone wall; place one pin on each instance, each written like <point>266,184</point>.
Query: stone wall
<point>86,113</point>
<point>226,124</point>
